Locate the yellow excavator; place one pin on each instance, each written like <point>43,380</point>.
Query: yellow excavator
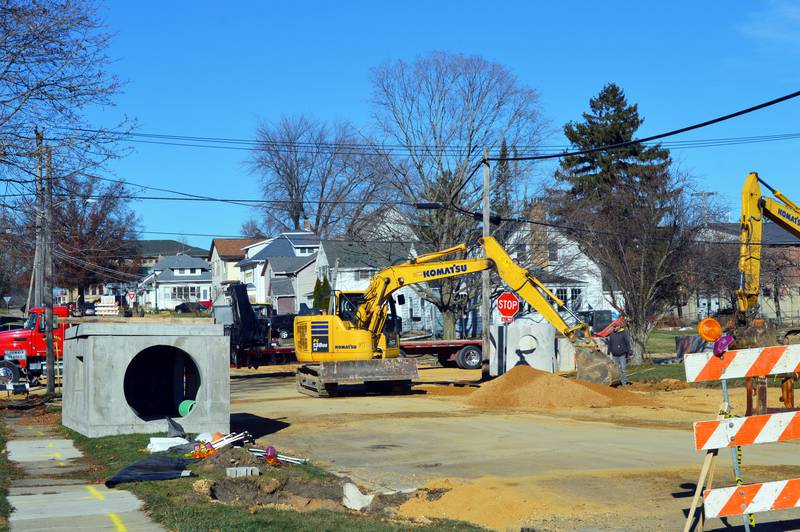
<point>358,340</point>
<point>786,214</point>
<point>755,207</point>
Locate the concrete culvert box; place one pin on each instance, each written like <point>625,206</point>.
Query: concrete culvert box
<point>124,378</point>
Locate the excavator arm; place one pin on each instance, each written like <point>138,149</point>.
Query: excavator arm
<point>372,313</point>
<point>755,207</point>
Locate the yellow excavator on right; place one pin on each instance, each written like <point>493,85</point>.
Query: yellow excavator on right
<point>755,207</point>
<point>749,330</point>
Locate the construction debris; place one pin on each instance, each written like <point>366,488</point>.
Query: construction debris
<point>238,472</point>
<point>353,499</point>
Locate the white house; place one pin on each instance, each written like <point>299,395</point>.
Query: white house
<point>289,282</point>
<point>176,279</point>
<point>289,244</point>
<point>225,253</point>
<point>351,266</point>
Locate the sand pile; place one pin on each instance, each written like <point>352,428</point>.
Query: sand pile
<point>526,387</point>
<point>492,502</point>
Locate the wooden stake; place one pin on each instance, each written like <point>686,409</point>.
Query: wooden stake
<point>706,472</point>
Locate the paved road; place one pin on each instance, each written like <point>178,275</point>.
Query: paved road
<point>390,443</point>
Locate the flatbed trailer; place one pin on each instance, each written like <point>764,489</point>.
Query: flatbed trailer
<point>254,357</point>
<point>466,353</point>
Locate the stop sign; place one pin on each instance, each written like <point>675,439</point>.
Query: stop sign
<point>507,306</point>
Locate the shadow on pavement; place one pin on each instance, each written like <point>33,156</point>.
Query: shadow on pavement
<point>257,426</point>
<point>275,374</point>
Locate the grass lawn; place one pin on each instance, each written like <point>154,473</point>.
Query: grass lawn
<point>656,372</point>
<point>176,506</point>
<point>6,472</point>
<point>663,340</point>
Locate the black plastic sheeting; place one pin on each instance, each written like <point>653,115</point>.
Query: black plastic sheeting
<point>151,468</point>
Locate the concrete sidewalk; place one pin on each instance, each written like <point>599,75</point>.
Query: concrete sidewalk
<point>44,501</point>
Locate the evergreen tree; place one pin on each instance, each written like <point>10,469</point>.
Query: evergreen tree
<point>318,293</point>
<point>627,210</point>
<point>610,120</point>
<point>325,293</point>
<point>501,197</point>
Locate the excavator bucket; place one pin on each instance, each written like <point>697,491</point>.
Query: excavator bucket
<point>595,366</point>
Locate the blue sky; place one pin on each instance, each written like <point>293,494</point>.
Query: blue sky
<point>209,68</point>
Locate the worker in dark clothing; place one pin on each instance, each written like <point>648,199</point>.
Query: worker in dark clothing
<point>619,345</point>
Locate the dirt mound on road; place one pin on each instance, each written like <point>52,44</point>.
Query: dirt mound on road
<point>526,387</point>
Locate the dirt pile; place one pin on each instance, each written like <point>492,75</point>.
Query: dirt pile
<point>526,387</point>
<point>230,457</point>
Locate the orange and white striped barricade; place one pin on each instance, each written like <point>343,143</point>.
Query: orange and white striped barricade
<point>735,432</point>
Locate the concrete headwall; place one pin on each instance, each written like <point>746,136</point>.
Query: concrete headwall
<point>123,378</point>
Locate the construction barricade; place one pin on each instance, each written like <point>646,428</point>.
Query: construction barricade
<point>735,432</point>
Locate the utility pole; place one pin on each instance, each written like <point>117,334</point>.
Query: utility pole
<point>485,288</point>
<point>48,271</point>
<point>37,276</point>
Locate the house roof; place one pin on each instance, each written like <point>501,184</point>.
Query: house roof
<point>373,255</point>
<point>771,233</point>
<point>281,286</point>
<point>290,264</point>
<point>161,248</point>
<point>168,276</point>
<point>232,248</point>
<point>548,278</point>
<point>280,247</point>
<point>180,261</point>
<point>302,238</point>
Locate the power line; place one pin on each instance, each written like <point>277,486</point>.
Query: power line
<point>652,138</point>
<point>452,149</point>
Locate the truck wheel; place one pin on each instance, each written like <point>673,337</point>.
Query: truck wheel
<point>8,372</point>
<point>469,357</point>
<point>444,360</point>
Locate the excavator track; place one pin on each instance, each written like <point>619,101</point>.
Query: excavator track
<point>309,383</point>
<point>389,375</point>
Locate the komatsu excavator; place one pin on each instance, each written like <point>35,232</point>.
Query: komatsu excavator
<point>359,339</point>
<point>786,214</point>
<point>755,207</point>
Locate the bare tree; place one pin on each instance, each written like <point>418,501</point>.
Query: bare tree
<point>315,172</point>
<point>94,229</point>
<point>778,272</point>
<point>436,115</point>
<point>53,66</point>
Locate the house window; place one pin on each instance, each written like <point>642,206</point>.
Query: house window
<point>561,293</point>
<point>362,275</point>
<point>552,252</point>
<point>575,299</point>
<point>767,292</point>
<point>205,294</point>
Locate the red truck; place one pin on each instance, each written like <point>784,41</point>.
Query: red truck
<point>23,351</point>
